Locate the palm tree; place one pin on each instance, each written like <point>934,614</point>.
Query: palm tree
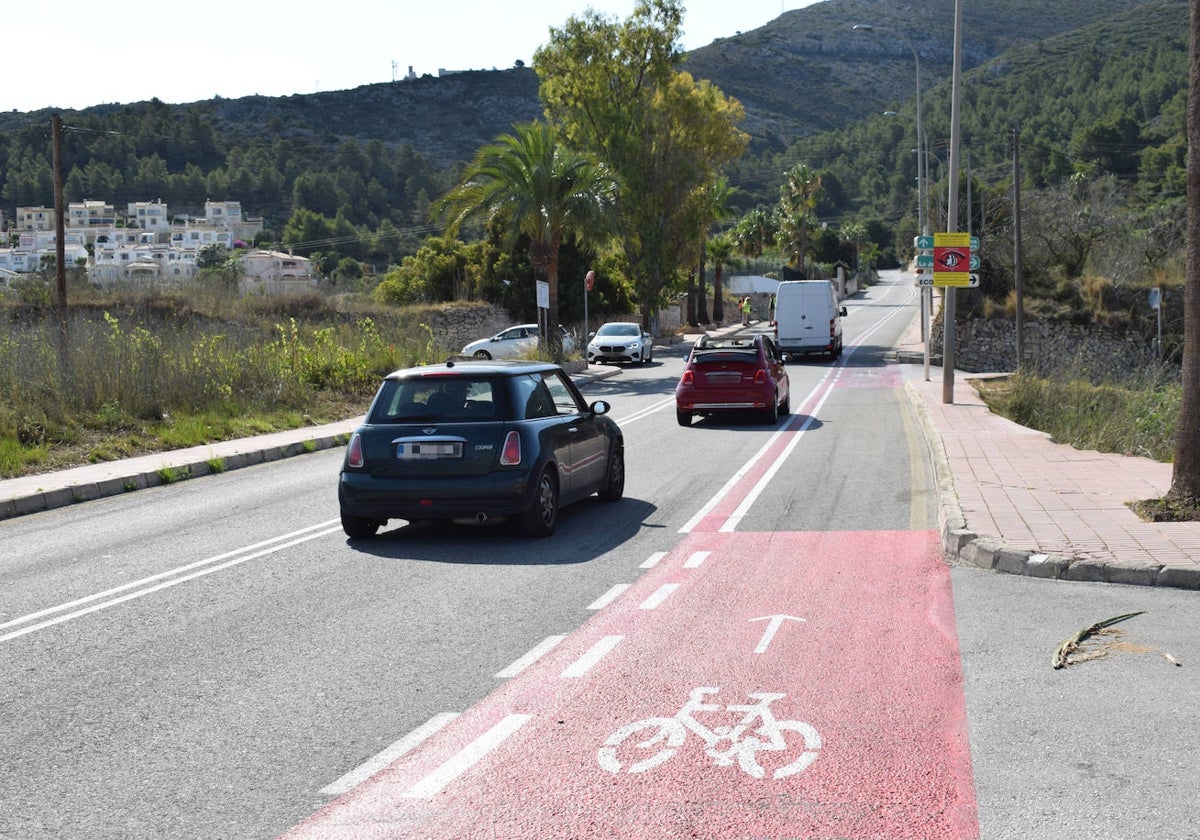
<point>714,207</point>
<point>798,199</point>
<point>720,251</point>
<point>545,190</point>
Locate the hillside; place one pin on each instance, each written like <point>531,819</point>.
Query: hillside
<point>802,73</point>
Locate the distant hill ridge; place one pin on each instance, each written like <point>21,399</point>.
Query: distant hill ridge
<point>806,71</point>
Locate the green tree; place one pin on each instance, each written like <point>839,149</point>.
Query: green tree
<point>713,206</point>
<point>798,200</point>
<point>613,89</point>
<point>720,250</point>
<point>545,191</point>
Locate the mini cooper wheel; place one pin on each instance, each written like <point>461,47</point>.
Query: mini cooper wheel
<point>614,479</point>
<point>542,516</point>
<point>359,528</point>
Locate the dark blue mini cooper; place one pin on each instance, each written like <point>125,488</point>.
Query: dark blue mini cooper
<point>476,440</point>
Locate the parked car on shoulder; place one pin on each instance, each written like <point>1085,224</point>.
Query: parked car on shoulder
<point>741,374</point>
<point>513,343</point>
<point>620,341</point>
<point>477,440</point>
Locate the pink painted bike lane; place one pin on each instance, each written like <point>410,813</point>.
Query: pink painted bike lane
<point>747,686</point>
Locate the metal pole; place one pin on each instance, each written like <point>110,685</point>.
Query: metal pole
<point>952,208</point>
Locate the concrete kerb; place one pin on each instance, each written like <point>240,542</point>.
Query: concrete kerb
<point>962,544</point>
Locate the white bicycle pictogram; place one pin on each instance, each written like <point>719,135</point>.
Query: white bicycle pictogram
<point>723,743</point>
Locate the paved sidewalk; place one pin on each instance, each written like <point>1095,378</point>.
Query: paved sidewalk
<point>1013,501</point>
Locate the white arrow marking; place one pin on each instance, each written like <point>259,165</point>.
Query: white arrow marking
<point>772,628</point>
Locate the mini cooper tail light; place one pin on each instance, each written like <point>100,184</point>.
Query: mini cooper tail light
<point>354,452</point>
<point>688,378</point>
<point>760,377</point>
<point>510,453</point>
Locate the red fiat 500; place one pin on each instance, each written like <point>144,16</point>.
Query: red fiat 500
<point>739,374</point>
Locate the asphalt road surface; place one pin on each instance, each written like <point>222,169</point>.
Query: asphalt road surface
<point>761,640</point>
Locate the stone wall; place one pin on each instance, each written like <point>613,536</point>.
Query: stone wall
<point>984,345</point>
<point>456,324</point>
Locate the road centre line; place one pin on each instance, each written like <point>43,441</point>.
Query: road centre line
<point>466,758</point>
<point>643,413</point>
<point>548,644</point>
<point>696,559</point>
<point>593,655</point>
<point>382,759</point>
<point>291,540</point>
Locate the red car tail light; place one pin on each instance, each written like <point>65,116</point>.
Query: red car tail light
<point>760,377</point>
<point>688,378</point>
<point>354,452</point>
<point>510,453</point>
<point>832,324</point>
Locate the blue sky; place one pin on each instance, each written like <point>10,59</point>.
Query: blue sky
<point>73,54</point>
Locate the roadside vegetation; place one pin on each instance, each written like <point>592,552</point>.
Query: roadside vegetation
<point>148,372</point>
<point>1133,417</point>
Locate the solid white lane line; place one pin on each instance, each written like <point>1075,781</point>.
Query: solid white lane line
<point>646,412</point>
<point>653,560</point>
<point>661,594</point>
<point>736,478</point>
<point>594,654</point>
<point>376,763</point>
<point>176,571</point>
<point>466,758</point>
<point>165,585</point>
<point>528,659</point>
<point>608,597</point>
<point>696,559</point>
<point>739,513</point>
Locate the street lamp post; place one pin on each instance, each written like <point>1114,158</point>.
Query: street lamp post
<point>922,180</point>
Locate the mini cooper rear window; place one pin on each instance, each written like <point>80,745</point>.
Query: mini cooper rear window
<point>446,398</point>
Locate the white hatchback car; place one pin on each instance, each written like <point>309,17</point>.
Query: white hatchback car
<point>512,343</point>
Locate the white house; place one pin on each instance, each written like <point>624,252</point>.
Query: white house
<point>273,272</point>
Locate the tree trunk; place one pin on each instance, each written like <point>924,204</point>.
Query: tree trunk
<point>1185,473</point>
<point>718,293</point>
<point>544,256</point>
<point>702,283</point>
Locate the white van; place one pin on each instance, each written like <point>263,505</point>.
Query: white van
<point>808,318</point>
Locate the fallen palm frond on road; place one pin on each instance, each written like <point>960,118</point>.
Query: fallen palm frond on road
<point>1062,655</point>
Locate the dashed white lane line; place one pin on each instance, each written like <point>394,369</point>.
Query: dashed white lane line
<point>608,597</point>
<point>696,559</point>
<point>528,659</point>
<point>466,758</point>
<point>653,560</point>
<point>661,594</point>
<point>594,654</point>
<point>376,763</point>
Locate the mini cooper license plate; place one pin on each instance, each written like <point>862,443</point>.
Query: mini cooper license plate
<point>424,450</point>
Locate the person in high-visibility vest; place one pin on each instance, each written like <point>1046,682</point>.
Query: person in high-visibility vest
<point>745,307</point>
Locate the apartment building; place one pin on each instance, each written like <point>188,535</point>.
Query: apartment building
<point>149,250</point>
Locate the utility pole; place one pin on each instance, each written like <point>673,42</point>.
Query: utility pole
<point>1017,280</point>
<point>948,336</point>
<point>60,252</point>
